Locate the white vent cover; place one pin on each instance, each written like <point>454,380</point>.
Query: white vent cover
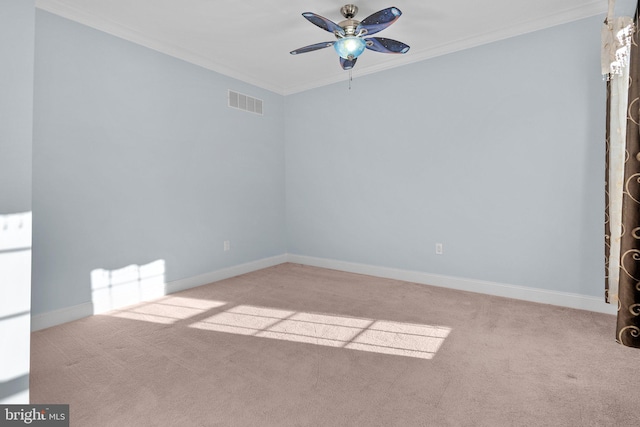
<point>244,102</point>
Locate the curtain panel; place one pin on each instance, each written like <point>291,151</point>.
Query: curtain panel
<point>622,193</point>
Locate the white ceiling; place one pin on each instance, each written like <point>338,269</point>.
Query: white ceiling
<point>251,40</point>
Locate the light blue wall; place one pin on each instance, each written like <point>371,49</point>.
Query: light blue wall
<point>497,152</point>
<point>138,158</point>
<point>16,104</point>
<point>17,20</point>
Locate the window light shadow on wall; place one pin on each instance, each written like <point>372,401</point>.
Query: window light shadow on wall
<point>112,289</point>
<point>15,306</point>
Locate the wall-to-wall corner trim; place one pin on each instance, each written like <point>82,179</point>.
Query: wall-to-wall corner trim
<point>543,296</point>
<point>76,312</point>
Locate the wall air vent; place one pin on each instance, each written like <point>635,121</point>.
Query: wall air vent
<point>244,102</point>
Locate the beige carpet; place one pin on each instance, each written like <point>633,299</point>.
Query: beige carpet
<point>301,346</point>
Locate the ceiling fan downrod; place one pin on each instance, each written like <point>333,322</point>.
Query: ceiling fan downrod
<point>349,25</point>
<point>349,10</point>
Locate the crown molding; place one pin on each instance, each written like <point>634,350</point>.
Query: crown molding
<point>57,7</point>
<point>593,8</point>
<point>115,29</point>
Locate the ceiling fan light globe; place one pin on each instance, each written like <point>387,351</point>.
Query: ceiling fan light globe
<point>349,47</point>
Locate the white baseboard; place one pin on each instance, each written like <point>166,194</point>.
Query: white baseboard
<point>58,317</point>
<point>564,299</point>
<point>225,273</point>
<point>69,314</point>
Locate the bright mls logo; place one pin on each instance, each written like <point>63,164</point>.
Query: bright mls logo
<point>36,415</point>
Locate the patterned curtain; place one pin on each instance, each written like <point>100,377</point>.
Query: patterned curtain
<point>625,262</point>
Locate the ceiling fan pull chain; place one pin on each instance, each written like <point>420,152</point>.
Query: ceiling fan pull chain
<point>350,78</point>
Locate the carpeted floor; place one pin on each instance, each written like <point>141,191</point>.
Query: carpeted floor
<point>294,345</point>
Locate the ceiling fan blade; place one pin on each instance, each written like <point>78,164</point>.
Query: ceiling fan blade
<point>311,48</point>
<point>382,45</point>
<point>348,64</point>
<point>324,23</point>
<point>379,20</point>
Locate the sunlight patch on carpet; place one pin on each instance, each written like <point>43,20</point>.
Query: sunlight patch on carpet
<point>379,336</point>
<point>167,310</point>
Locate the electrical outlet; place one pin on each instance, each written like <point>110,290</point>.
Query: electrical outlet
<point>227,245</point>
<point>438,248</point>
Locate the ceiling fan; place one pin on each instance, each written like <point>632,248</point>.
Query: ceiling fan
<point>350,34</point>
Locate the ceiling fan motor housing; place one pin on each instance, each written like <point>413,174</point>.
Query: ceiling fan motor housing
<point>349,26</point>
<point>350,34</point>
